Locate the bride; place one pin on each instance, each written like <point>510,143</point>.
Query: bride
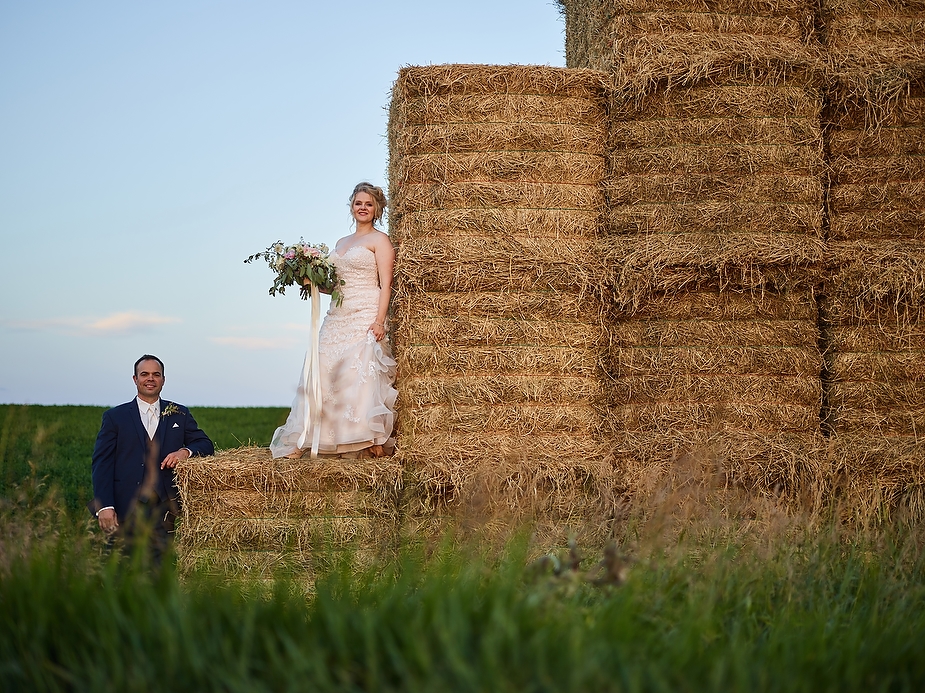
<point>356,365</point>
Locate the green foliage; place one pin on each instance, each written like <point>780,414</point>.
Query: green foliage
<point>295,263</point>
<point>741,609</point>
<point>823,615</point>
<point>57,442</point>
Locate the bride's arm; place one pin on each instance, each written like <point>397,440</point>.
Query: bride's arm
<point>385,264</point>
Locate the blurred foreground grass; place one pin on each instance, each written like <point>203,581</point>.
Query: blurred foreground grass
<point>737,612</point>
<point>719,596</point>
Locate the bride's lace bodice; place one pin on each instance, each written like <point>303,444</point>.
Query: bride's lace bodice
<point>349,322</point>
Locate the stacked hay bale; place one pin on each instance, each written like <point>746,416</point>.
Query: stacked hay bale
<point>245,513</point>
<point>495,205</point>
<point>875,297</point>
<point>714,234</point>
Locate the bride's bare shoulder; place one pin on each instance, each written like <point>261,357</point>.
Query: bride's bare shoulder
<point>381,240</point>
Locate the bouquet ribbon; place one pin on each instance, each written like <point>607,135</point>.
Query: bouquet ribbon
<point>312,382</point>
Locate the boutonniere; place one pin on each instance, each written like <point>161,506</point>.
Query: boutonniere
<point>171,408</point>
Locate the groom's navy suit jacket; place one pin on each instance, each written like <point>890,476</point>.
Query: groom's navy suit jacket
<point>121,459</point>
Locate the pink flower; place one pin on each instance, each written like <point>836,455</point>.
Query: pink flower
<point>290,255</point>
<point>316,252</point>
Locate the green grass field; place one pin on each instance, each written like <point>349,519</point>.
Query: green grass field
<point>58,441</point>
<point>711,605</point>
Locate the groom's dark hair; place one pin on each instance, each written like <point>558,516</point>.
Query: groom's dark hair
<point>149,357</point>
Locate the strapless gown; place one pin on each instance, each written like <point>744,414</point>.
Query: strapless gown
<point>356,371</point>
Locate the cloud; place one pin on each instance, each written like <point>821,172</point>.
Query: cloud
<point>127,322</point>
<point>254,343</point>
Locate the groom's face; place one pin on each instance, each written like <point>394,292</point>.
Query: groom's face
<point>149,380</point>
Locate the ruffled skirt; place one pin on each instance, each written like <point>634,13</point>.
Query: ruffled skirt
<point>358,400</point>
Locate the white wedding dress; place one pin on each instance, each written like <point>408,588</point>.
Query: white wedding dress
<point>356,371</point>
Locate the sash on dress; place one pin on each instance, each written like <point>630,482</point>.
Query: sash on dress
<point>312,381</point>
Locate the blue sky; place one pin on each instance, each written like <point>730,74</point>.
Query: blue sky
<point>146,149</point>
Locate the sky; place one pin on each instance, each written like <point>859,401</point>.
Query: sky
<point>146,149</point>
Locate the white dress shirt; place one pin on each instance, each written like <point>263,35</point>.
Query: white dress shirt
<point>146,418</point>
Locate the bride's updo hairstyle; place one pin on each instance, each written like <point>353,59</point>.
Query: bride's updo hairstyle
<point>378,198</point>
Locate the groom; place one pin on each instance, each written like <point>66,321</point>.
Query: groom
<point>138,447</point>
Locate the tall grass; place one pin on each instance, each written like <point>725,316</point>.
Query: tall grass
<point>797,612</point>
<point>721,595</point>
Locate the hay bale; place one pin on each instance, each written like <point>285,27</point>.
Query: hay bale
<point>247,513</point>
<point>491,498</point>
<point>496,200</point>
<point>879,478</point>
<point>678,43</point>
<point>791,468</point>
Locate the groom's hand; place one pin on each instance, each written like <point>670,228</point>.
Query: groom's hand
<point>109,523</point>
<point>174,457</point>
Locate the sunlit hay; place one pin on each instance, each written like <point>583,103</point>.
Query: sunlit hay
<point>883,142</point>
<point>717,161</point>
<point>671,332</point>
<point>716,216</point>
<point>437,80</point>
<point>474,331</point>
<point>495,204</point>
<point>423,169</point>
<point>240,501</point>
<point>553,138</point>
<point>876,277</point>
<point>292,533</point>
<point>502,304</point>
<point>640,267</point>
<point>800,392</point>
<point>475,193</point>
<point>490,388</point>
<point>436,361</point>
<point>407,224</point>
<point>879,478</point>
<point>884,223</point>
<point>499,107</point>
<point>680,43</point>
<point>791,468</point>
<point>718,360</point>
<point>895,194</point>
<point>722,414</point>
<point>742,103</point>
<point>663,186</point>
<point>504,264</point>
<point>254,468</point>
<point>878,198</point>
<point>524,418</point>
<point>876,53</point>
<point>852,122</point>
<point>490,498</point>
<point>876,371</point>
<point>707,130</point>
<point>731,305</point>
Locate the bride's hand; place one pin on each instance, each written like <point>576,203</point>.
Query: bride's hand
<point>378,330</point>
<point>307,283</point>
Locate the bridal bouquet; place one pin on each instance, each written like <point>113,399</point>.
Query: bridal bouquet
<point>294,264</point>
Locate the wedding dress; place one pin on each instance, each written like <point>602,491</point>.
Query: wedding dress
<point>356,371</point>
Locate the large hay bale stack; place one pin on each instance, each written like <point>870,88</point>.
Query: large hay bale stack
<point>685,41</point>
<point>875,292</point>
<point>714,239</point>
<point>726,374</point>
<point>245,513</point>
<point>495,207</point>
